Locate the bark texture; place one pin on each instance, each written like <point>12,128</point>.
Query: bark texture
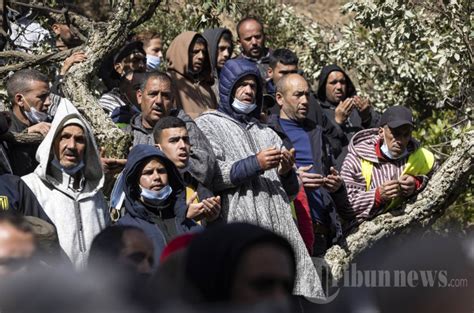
<point>444,187</point>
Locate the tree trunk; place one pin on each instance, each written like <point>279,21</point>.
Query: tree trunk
<point>77,82</point>
<point>447,183</point>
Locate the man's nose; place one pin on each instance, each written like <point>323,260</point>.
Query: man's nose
<point>254,41</point>
<point>200,55</point>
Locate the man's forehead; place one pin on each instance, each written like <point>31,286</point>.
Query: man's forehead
<point>400,129</point>
<point>158,83</point>
<point>246,80</point>
<point>286,67</point>
<point>175,131</point>
<point>336,75</point>
<point>250,25</point>
<point>73,128</point>
<point>296,81</point>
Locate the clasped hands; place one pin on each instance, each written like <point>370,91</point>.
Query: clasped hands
<point>331,182</point>
<point>274,158</point>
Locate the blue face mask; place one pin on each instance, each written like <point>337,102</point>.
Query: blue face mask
<point>388,153</point>
<point>71,171</point>
<point>241,107</point>
<point>152,62</point>
<point>35,116</point>
<point>155,198</point>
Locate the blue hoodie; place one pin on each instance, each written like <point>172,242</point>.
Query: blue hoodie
<point>137,214</point>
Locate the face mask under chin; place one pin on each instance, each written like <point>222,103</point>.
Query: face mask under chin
<point>386,151</point>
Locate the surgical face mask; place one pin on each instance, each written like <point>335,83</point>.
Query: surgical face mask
<point>71,171</point>
<point>386,151</point>
<point>152,62</point>
<point>35,116</point>
<point>241,107</point>
<point>155,198</point>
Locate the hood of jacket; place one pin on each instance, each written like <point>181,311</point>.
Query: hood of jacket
<point>231,73</point>
<point>179,60</point>
<point>363,144</point>
<point>321,94</point>
<point>138,156</point>
<point>93,173</point>
<point>213,36</point>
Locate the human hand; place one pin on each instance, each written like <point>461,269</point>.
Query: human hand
<point>407,185</point>
<point>287,161</point>
<point>195,210</point>
<point>310,180</point>
<point>74,58</point>
<point>111,165</point>
<point>343,110</point>
<point>333,181</point>
<point>40,128</point>
<point>390,190</point>
<point>363,107</point>
<point>269,158</point>
<point>212,207</point>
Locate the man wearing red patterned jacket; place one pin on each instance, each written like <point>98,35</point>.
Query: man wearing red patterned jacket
<point>385,166</point>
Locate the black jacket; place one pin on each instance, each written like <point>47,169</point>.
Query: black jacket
<point>22,156</point>
<point>354,123</point>
<point>16,196</point>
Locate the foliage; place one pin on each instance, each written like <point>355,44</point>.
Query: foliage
<point>415,53</point>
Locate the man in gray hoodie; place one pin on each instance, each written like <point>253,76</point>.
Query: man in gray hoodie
<point>68,183</point>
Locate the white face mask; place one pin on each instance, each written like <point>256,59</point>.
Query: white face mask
<point>155,198</point>
<point>241,107</point>
<point>152,62</point>
<point>71,171</point>
<point>33,115</point>
<point>386,151</point>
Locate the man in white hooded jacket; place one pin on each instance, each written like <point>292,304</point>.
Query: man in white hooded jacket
<point>68,182</point>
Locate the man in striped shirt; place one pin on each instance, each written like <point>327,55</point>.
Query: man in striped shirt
<point>384,166</point>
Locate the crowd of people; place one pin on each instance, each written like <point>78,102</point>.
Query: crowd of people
<point>237,176</point>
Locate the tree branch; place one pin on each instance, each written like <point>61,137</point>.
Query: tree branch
<point>146,15</point>
<point>22,138</point>
<point>444,187</point>
<point>30,60</point>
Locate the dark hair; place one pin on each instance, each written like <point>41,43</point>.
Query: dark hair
<point>16,220</point>
<point>199,39</point>
<point>20,81</point>
<point>107,245</point>
<point>226,35</point>
<point>165,123</point>
<point>283,56</point>
<point>155,74</point>
<point>246,19</point>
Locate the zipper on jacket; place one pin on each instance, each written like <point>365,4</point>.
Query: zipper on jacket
<point>80,229</point>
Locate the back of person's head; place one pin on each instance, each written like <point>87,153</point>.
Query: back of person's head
<point>165,123</point>
<point>20,81</point>
<point>111,248</point>
<point>283,56</point>
<point>218,265</point>
<point>17,243</point>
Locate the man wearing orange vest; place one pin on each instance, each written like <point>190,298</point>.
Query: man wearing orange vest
<point>385,166</point>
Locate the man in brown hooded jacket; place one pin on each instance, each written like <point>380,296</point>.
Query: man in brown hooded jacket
<point>190,68</point>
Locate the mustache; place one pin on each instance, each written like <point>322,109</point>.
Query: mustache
<point>71,152</point>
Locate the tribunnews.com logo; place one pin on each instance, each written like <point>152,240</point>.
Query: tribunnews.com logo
<point>356,278</point>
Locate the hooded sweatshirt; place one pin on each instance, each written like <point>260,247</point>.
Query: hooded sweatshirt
<point>79,214</point>
<point>249,194</point>
<point>353,123</point>
<point>363,146</point>
<point>213,36</point>
<point>160,225</point>
<point>193,92</point>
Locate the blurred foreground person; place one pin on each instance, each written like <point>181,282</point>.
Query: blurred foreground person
<point>241,265</point>
<point>17,244</point>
